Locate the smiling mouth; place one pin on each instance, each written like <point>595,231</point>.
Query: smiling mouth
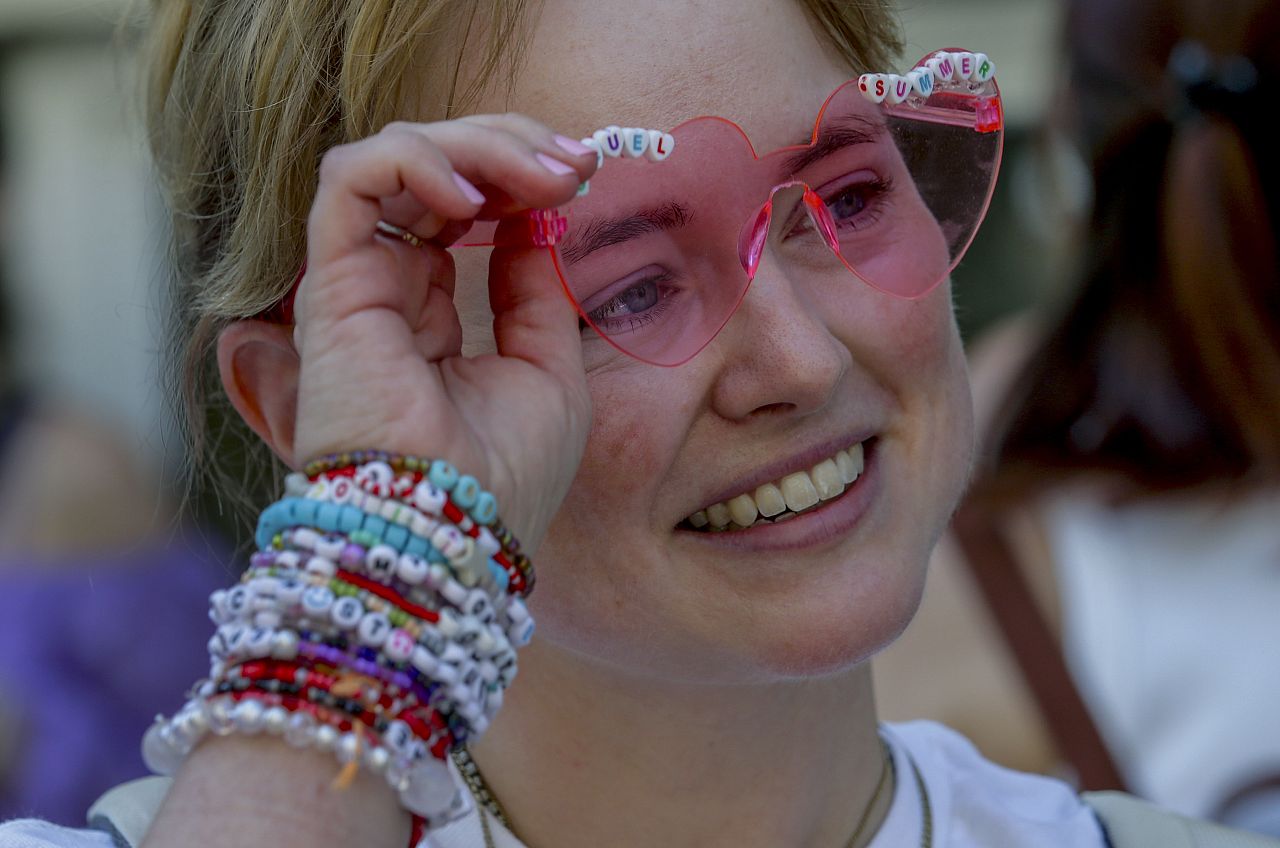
<point>782,500</point>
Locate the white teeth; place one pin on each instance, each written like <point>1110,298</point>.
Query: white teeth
<point>826,479</point>
<point>743,510</point>
<point>799,491</point>
<point>769,500</point>
<point>849,468</point>
<point>781,501</point>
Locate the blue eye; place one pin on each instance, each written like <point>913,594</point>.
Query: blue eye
<point>858,199</point>
<point>637,303</point>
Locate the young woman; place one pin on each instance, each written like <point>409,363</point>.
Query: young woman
<point>700,674</point>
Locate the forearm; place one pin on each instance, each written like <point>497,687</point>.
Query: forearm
<point>240,791</point>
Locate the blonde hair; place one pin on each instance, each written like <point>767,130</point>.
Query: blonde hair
<point>243,97</point>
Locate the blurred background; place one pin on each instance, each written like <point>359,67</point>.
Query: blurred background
<point>84,428</point>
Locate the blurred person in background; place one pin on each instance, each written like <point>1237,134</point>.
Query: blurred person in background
<point>1134,439</point>
<point>79,599</point>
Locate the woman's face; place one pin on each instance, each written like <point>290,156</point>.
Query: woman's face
<point>792,379</point>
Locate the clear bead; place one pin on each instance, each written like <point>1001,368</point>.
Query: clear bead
<point>275,720</point>
<point>429,789</point>
<point>158,751</point>
<point>326,737</point>
<point>220,721</point>
<point>247,716</point>
<point>300,731</point>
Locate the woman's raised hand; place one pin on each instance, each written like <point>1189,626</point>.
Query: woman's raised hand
<point>378,333</point>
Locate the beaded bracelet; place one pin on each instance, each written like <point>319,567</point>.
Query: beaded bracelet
<point>378,620</point>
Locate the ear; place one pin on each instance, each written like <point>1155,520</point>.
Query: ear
<point>259,368</point>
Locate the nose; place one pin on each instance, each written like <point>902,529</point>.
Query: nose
<point>778,352</point>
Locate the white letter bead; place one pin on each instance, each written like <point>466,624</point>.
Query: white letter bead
<point>330,547</point>
<point>381,562</point>
<point>305,537</point>
<point>595,145</point>
<point>238,601</point>
<point>448,623</point>
<point>449,541</point>
<point>611,140</point>
<point>965,65</point>
<point>424,661</point>
<point>267,618</point>
<point>321,567</point>
<point>984,68</point>
<point>517,611</point>
<point>319,490</point>
<point>899,88</point>
<point>291,589</point>
<point>428,498</point>
<point>454,592</point>
<point>635,141</point>
<point>479,605</point>
<point>399,646</point>
<point>288,559</point>
<point>661,145</point>
<point>943,67</point>
<point>521,633</point>
<point>218,607</point>
<point>446,674</point>
<point>341,490</point>
<point>373,629</point>
<point>317,601</point>
<point>412,569</point>
<point>877,87</point>
<point>347,612</point>
<point>420,525</point>
<point>397,736</point>
<point>922,81</point>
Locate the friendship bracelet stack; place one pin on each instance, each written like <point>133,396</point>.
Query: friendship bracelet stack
<point>378,620</point>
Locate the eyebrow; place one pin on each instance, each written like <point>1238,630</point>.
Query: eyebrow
<point>837,135</point>
<point>610,231</point>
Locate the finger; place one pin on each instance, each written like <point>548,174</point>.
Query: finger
<point>533,318</point>
<point>534,173</point>
<point>355,178</point>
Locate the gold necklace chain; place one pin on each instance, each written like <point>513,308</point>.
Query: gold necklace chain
<point>489,803</point>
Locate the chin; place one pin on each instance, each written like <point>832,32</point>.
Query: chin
<point>833,628</point>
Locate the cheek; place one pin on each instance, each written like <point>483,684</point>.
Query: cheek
<point>595,564</point>
<point>921,360</point>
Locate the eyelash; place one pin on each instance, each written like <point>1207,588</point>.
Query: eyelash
<point>609,326</point>
<point>874,191</point>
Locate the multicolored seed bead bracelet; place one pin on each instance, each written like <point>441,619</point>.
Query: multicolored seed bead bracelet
<point>379,620</point>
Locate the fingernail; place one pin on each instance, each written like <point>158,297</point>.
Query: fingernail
<point>473,194</point>
<point>568,145</point>
<point>555,166</point>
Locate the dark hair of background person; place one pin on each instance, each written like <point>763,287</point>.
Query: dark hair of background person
<point>1164,370</point>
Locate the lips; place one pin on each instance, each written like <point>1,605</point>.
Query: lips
<point>784,498</point>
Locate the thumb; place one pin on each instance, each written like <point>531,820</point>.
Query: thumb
<point>533,317</point>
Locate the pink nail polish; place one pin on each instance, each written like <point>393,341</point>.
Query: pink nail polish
<point>473,194</point>
<point>568,145</point>
<point>555,166</point>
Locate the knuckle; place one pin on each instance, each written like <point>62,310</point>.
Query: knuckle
<point>334,162</point>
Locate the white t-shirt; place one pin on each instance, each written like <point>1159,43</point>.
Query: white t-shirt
<point>1171,631</point>
<point>972,803</point>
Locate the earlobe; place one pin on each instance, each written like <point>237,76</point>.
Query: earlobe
<point>259,367</point>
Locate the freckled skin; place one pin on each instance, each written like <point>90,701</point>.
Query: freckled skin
<point>796,365</point>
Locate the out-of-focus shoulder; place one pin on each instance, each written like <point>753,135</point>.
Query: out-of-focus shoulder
<point>33,833</point>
